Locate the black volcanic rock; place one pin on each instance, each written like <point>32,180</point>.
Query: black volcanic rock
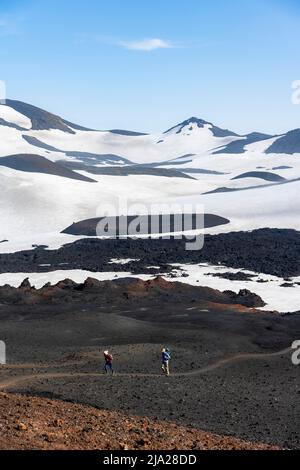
<point>239,276</point>
<point>270,251</point>
<point>25,284</point>
<point>66,284</point>
<point>246,298</point>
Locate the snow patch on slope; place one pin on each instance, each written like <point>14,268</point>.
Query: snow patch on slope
<point>271,291</point>
<point>14,117</point>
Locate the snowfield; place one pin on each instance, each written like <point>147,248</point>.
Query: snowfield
<point>36,207</point>
<point>196,138</point>
<point>271,291</point>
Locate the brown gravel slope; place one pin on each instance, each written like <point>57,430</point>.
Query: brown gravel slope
<point>36,423</point>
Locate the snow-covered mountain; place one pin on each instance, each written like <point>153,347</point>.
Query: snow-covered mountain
<point>28,129</point>
<point>53,172</point>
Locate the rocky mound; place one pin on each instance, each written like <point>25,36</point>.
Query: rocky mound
<point>122,290</point>
<point>88,227</point>
<point>29,423</point>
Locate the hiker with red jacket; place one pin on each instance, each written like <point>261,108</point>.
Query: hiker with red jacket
<point>108,366</point>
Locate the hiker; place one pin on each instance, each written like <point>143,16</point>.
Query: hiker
<point>165,358</point>
<point>108,362</point>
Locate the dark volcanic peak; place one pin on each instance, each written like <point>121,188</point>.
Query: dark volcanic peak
<point>193,120</point>
<point>41,119</point>
<point>288,143</point>
<point>217,131</point>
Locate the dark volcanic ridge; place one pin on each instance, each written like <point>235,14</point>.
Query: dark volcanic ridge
<point>288,143</point>
<point>238,146</point>
<point>269,251</point>
<point>264,175</point>
<point>127,289</point>
<point>38,164</point>
<point>146,224</point>
<point>41,119</point>
<point>86,158</point>
<point>279,181</point>
<point>124,170</point>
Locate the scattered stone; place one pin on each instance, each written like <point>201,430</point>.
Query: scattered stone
<point>124,446</point>
<point>58,423</point>
<point>21,427</point>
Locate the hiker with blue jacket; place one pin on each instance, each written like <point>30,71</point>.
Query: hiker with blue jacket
<point>165,359</point>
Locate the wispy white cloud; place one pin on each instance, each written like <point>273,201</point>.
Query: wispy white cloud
<point>147,44</point>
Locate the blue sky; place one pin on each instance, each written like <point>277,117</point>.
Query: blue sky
<point>146,65</point>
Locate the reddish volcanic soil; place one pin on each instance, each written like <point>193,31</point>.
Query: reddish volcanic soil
<point>231,368</point>
<point>36,423</point>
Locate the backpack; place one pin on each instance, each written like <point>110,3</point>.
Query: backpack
<point>108,358</point>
